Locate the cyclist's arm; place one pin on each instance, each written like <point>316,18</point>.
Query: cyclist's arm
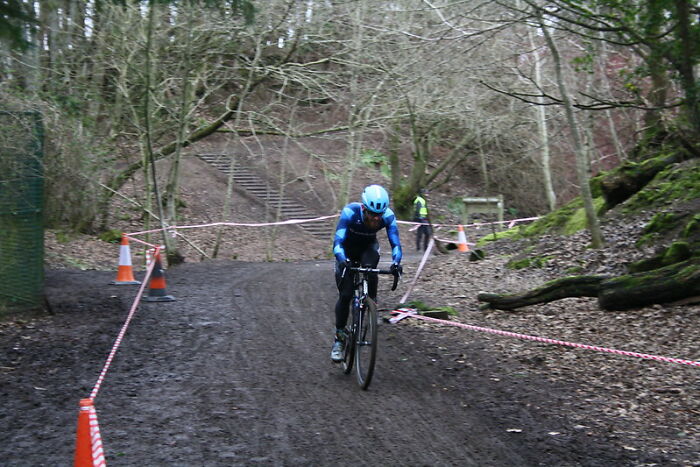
<point>341,231</point>
<point>392,231</point>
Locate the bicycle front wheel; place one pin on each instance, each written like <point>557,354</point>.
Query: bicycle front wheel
<point>349,355</point>
<point>366,343</point>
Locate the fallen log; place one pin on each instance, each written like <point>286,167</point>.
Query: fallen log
<point>664,285</point>
<point>573,286</point>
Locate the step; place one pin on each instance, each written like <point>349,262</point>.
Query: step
<point>298,213</point>
<point>317,228</point>
<point>288,208</point>
<point>264,193</point>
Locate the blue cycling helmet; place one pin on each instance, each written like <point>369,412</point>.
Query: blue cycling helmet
<point>375,198</point>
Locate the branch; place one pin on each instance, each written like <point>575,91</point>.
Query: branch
<point>455,154</point>
<point>576,15</point>
<point>280,132</point>
<point>198,134</point>
<point>251,132</point>
<point>599,103</point>
<point>524,97</point>
<point>604,104</point>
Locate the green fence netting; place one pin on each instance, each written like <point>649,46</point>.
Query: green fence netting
<point>21,210</point>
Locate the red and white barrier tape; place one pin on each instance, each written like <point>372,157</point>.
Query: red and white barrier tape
<point>510,223</point>
<point>451,240</point>
<point>141,241</point>
<point>423,260</point>
<point>98,455</point>
<point>237,224</point>
<point>118,341</point>
<point>546,340</point>
<point>174,228</point>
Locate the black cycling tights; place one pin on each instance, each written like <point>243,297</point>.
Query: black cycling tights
<point>369,257</point>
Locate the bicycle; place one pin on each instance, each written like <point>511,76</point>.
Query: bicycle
<point>361,330</point>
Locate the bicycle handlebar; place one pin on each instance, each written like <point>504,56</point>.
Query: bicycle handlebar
<point>379,271</point>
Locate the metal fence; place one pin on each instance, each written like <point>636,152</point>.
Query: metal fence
<point>21,210</point>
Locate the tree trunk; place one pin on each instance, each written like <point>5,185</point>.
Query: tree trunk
<point>542,131</point>
<point>575,286</point>
<point>483,162</point>
<point>172,188</point>
<point>609,115</point>
<point>664,285</point>
<point>394,160</point>
<point>657,72</point>
<point>355,137</point>
<point>581,161</point>
<point>30,64</point>
<point>686,62</point>
<point>146,142</point>
<point>668,284</point>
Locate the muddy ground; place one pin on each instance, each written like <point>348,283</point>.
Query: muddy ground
<point>237,372</point>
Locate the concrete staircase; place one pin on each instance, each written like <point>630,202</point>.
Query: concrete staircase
<point>289,208</point>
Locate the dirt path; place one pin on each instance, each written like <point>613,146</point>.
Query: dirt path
<point>237,372</point>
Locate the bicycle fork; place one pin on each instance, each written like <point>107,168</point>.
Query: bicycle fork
<point>360,316</point>
<point>358,304</point>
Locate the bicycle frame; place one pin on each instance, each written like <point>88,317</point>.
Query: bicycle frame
<point>360,287</point>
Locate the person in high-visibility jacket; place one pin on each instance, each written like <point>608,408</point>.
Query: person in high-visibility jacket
<point>420,214</point>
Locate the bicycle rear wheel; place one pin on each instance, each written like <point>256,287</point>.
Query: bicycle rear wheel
<point>366,343</point>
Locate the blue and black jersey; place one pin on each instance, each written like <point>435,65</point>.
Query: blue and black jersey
<point>351,233</point>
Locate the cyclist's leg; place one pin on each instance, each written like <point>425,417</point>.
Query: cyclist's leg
<point>342,305</point>
<point>370,259</point>
<point>343,281</point>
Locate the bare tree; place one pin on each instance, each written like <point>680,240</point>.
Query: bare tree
<point>581,160</point>
<point>403,78</point>
<point>660,33</point>
<point>541,119</point>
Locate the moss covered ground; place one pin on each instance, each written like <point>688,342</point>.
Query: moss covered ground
<point>674,194</point>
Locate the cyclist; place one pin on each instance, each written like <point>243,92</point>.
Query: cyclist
<point>356,240</point>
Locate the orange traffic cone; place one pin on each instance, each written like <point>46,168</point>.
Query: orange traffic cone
<point>462,240</point>
<point>88,442</point>
<point>125,274</point>
<point>156,287</point>
<point>83,446</point>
